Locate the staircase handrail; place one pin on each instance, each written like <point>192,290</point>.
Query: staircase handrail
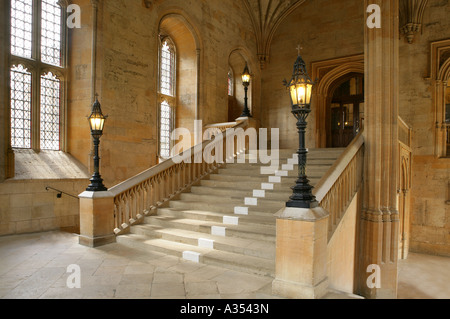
<point>337,187</point>
<point>154,170</point>
<point>333,173</point>
<point>138,195</point>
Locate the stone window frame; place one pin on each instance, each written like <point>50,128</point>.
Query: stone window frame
<point>37,68</point>
<point>170,99</point>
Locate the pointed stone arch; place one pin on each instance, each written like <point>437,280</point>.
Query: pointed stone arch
<point>327,73</point>
<point>237,59</point>
<point>440,83</point>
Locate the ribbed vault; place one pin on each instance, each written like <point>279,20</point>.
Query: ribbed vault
<point>266,15</point>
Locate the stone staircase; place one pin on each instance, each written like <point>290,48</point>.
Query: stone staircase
<point>228,219</point>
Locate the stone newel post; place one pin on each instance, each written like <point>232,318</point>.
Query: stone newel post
<point>96,218</point>
<point>301,253</point>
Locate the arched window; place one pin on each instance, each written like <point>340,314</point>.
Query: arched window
<point>37,66</point>
<point>167,93</point>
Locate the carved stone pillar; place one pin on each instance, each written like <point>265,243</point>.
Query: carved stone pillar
<point>379,218</point>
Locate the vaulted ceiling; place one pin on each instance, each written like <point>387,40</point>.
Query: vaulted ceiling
<point>266,15</point>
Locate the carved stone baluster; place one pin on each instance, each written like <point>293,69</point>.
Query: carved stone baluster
<point>153,193</point>
<point>160,187</point>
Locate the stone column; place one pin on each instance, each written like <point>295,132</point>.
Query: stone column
<point>96,218</point>
<point>379,218</point>
<point>301,253</point>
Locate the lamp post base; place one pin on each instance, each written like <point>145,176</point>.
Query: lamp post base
<point>302,196</point>
<point>96,184</point>
<point>246,114</point>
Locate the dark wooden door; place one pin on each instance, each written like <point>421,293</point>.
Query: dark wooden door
<point>345,121</point>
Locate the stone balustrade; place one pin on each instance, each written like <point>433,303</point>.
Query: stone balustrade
<point>104,215</point>
<point>337,188</point>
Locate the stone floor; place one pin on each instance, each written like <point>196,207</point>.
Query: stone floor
<point>36,266</point>
<point>424,277</point>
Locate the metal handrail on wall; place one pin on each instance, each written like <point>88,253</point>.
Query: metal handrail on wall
<point>60,192</point>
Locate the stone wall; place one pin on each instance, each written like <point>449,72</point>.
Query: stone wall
<point>342,250</point>
<point>127,70</point>
<point>430,215</point>
<point>26,206</point>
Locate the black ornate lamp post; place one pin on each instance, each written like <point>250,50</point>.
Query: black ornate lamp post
<point>300,88</point>
<point>246,82</point>
<point>96,122</point>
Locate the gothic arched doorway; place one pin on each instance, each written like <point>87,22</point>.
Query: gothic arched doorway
<point>330,74</point>
<point>345,110</point>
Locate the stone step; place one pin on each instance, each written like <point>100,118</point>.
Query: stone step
<point>228,219</point>
<point>279,166</point>
<point>248,247</point>
<point>261,232</point>
<point>248,264</point>
<point>217,217</point>
<point>255,178</point>
<point>285,181</point>
<point>313,152</point>
<point>242,185</point>
<point>315,170</point>
<point>246,185</point>
<point>278,194</point>
<point>223,200</point>
<point>265,208</point>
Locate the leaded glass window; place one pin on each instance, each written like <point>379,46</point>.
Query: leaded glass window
<point>20,107</point>
<point>167,66</point>
<point>50,102</point>
<point>167,92</point>
<point>51,32</point>
<point>21,28</point>
<point>37,37</point>
<point>165,129</point>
